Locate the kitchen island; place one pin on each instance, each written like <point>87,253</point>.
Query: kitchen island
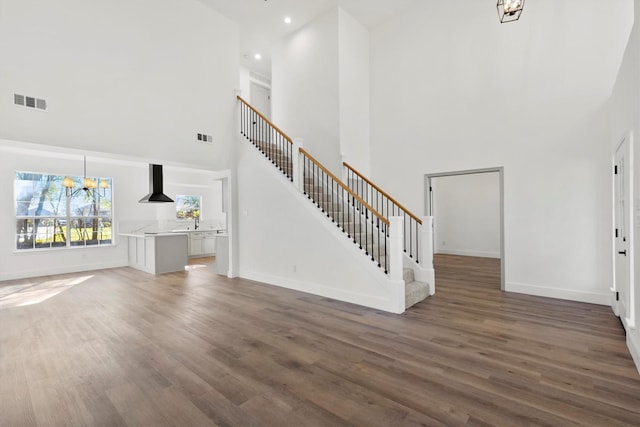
<point>158,253</point>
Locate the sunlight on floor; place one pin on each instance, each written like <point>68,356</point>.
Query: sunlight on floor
<point>194,266</point>
<point>198,263</point>
<point>35,293</point>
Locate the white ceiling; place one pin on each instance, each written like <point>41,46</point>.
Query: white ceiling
<point>598,29</point>
<point>262,24</point>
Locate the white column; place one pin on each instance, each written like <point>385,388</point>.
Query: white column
<point>426,255</point>
<point>396,254</point>
<point>395,250</point>
<point>297,164</point>
<point>426,242</point>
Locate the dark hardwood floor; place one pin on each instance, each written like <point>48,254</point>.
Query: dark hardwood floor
<point>121,347</point>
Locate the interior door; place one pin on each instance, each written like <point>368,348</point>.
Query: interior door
<point>622,233</point>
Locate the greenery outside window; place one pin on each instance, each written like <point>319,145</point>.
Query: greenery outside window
<point>188,207</point>
<point>50,216</point>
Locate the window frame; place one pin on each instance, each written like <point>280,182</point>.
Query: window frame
<point>188,218</point>
<point>26,228</point>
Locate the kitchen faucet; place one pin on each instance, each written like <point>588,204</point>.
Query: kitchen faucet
<point>196,223</point>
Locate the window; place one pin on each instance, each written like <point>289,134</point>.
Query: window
<point>49,215</point>
<point>188,207</point>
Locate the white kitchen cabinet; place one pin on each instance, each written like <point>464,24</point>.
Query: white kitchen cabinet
<point>195,243</point>
<point>209,243</point>
<point>157,253</point>
<point>202,243</point>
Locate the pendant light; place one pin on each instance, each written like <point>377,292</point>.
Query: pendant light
<point>509,10</point>
<point>88,184</point>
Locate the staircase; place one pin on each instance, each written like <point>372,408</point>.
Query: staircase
<point>369,241</point>
<point>364,225</point>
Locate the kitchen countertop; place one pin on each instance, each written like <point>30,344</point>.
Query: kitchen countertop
<point>152,234</point>
<point>201,230</point>
<point>171,232</point>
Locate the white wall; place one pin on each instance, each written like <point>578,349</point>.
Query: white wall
<point>140,78</point>
<point>320,89</point>
<point>130,183</point>
<point>457,92</point>
<point>466,210</point>
<point>353,61</point>
<point>245,83</point>
<point>625,119</point>
<point>305,88</point>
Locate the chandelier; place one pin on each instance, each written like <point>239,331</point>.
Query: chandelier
<point>88,184</point>
<point>509,10</point>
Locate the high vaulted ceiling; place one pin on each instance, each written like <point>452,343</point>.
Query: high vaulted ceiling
<point>262,23</point>
<point>592,28</point>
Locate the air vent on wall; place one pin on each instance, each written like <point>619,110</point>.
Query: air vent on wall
<point>29,101</point>
<point>207,139</point>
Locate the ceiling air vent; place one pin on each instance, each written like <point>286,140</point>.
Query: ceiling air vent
<point>29,102</point>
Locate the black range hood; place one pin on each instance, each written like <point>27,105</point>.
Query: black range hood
<point>156,194</point>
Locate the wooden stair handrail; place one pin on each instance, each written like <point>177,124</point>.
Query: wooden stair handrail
<point>345,187</point>
<point>266,120</point>
<point>418,220</point>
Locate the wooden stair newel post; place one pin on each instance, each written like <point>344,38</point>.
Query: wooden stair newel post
<point>297,164</point>
<point>396,227</point>
<point>426,242</point>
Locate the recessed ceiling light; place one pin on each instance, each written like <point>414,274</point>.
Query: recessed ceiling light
<point>287,20</point>
<point>257,56</point>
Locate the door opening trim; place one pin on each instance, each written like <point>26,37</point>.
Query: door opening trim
<point>429,204</point>
<point>629,320</point>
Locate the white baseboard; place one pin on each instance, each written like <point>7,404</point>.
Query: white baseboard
<point>480,254</point>
<point>321,290</point>
<point>634,347</point>
<point>66,269</point>
<point>566,294</point>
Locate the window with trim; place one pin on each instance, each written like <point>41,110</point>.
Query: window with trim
<point>49,215</point>
<point>188,207</point>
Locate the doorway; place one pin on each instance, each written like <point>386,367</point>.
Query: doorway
<point>261,99</point>
<point>468,211</point>
<point>623,303</point>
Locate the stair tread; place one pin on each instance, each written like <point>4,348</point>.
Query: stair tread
<point>408,275</point>
<point>414,292</point>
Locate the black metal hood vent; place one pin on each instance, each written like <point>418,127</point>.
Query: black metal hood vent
<point>156,194</point>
